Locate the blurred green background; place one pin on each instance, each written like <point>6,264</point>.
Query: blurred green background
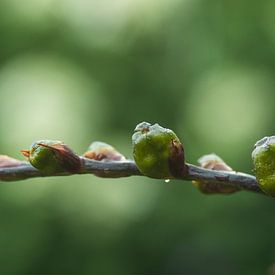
<point>81,71</point>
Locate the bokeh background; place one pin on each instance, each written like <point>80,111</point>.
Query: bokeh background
<point>80,71</point>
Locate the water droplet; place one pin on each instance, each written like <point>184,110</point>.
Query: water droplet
<point>167,180</point>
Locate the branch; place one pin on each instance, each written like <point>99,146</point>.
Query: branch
<point>116,169</point>
<point>243,181</point>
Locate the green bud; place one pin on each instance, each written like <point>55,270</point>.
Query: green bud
<point>264,164</point>
<point>103,152</point>
<point>157,151</point>
<point>214,162</point>
<point>52,156</point>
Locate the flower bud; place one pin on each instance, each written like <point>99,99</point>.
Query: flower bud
<point>51,156</point>
<point>157,151</point>
<point>263,158</point>
<point>213,162</point>
<point>103,152</point>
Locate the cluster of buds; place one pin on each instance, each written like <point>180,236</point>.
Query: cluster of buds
<point>158,153</point>
<point>53,156</point>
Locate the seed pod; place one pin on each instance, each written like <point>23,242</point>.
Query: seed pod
<point>52,156</point>
<point>263,158</point>
<point>103,152</point>
<point>157,151</point>
<point>213,162</point>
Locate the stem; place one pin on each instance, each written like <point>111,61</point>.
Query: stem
<point>241,180</point>
<point>114,169</point>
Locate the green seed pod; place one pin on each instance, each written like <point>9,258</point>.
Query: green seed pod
<point>52,156</point>
<point>158,152</point>
<point>103,152</point>
<point>214,162</point>
<point>264,164</point>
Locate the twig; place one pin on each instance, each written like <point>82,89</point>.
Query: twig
<point>241,180</point>
<point>114,169</point>
<point>110,169</point>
